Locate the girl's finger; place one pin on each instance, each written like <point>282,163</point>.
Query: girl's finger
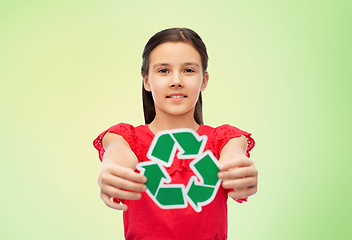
<point>240,184</point>
<point>128,173</point>
<point>244,193</point>
<point>108,202</point>
<point>238,162</point>
<point>121,183</point>
<point>120,193</point>
<point>238,173</point>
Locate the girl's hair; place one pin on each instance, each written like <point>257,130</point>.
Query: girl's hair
<point>172,35</point>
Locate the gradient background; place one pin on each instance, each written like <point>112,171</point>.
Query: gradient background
<point>278,69</point>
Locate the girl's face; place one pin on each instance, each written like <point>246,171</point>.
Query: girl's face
<point>175,78</point>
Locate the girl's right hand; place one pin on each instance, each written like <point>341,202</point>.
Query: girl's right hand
<point>120,182</point>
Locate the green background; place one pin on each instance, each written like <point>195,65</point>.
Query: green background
<point>278,69</point>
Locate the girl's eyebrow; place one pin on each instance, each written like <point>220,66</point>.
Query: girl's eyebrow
<point>191,63</point>
<point>184,64</point>
<point>160,64</point>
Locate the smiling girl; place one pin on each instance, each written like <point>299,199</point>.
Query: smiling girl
<point>174,72</point>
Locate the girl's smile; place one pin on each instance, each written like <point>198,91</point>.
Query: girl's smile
<point>176,97</point>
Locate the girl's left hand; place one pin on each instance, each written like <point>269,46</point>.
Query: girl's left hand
<point>239,174</point>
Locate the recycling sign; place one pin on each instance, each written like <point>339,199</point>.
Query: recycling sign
<point>201,189</point>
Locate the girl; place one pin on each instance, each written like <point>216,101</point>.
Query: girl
<point>174,75</point>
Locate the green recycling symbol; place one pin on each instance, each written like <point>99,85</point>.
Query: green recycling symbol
<point>201,188</point>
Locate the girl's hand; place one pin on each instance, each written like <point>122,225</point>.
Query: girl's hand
<point>117,177</point>
<point>120,182</point>
<point>239,174</point>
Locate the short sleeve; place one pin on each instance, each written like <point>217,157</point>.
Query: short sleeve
<point>125,130</point>
<point>226,132</point>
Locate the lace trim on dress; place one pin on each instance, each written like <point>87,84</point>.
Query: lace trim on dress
<point>122,129</point>
<point>98,144</point>
<point>226,132</point>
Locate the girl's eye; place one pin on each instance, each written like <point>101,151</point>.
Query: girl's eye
<point>163,71</point>
<point>188,70</point>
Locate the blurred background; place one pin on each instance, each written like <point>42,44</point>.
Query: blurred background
<point>278,69</point>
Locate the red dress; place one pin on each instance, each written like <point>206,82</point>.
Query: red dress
<point>145,220</point>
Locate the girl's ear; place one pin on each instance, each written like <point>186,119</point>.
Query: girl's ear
<point>205,81</point>
<point>146,84</point>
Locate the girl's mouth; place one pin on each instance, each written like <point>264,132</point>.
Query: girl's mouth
<point>176,96</point>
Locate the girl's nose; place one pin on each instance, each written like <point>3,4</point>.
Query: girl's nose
<point>176,81</point>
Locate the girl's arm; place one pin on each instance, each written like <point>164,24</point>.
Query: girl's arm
<point>117,177</point>
<point>236,170</point>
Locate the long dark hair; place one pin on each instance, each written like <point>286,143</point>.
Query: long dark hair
<point>172,35</point>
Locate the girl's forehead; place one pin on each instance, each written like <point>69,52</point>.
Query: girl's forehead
<point>174,52</point>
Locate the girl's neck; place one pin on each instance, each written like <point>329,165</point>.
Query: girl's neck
<point>167,122</point>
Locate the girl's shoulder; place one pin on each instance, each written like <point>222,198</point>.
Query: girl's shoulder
<point>224,130</point>
<point>128,131</point>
